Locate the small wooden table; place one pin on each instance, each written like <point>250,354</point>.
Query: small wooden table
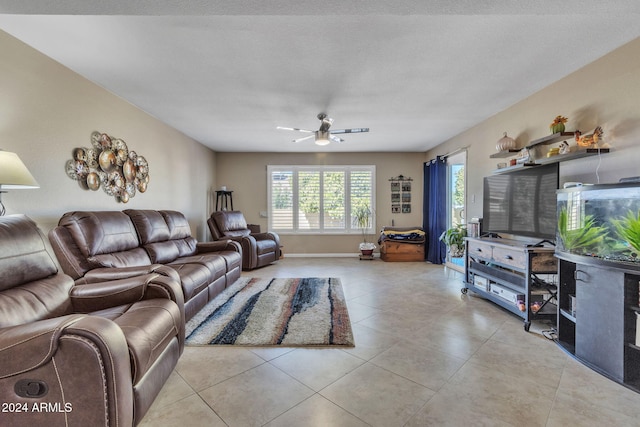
<point>225,199</point>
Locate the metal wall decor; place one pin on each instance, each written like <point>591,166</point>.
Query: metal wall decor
<point>109,164</point>
<point>400,194</point>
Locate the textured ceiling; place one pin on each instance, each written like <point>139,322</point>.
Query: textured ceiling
<point>415,72</point>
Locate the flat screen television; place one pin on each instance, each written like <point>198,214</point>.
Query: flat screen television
<point>522,202</point>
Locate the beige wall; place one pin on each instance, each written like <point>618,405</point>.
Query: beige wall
<point>605,92</point>
<point>246,175</point>
<point>46,110</point>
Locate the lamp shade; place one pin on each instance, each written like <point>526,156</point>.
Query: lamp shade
<point>14,174</point>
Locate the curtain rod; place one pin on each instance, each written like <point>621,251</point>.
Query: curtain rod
<point>451,153</point>
<point>456,151</point>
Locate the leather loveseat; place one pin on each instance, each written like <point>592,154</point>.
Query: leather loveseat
<point>93,354</point>
<point>258,249</point>
<point>98,245</point>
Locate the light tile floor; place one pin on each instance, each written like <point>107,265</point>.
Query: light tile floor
<point>425,355</point>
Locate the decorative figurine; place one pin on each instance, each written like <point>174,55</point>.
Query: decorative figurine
<point>558,124</point>
<point>590,139</point>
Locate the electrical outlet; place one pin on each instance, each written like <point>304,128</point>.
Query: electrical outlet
<point>263,214</point>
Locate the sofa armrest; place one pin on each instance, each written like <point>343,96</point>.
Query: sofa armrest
<point>218,246</point>
<point>104,274</point>
<point>87,354</point>
<point>27,346</point>
<point>267,236</point>
<point>99,296</point>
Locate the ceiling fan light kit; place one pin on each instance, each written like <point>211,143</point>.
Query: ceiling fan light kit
<point>324,136</point>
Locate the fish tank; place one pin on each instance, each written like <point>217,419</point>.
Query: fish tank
<point>601,222</point>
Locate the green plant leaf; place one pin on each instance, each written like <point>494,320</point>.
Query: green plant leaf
<point>580,239</point>
<point>628,229</point>
<point>454,235</point>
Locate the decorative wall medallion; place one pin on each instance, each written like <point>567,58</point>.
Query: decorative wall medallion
<point>109,164</point>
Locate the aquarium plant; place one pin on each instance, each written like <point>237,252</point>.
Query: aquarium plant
<point>628,229</point>
<point>582,239</point>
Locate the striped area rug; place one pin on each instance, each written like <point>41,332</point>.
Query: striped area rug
<point>268,312</point>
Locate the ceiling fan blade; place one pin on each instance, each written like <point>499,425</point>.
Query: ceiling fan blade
<point>335,139</point>
<point>302,139</point>
<point>353,130</point>
<point>296,129</point>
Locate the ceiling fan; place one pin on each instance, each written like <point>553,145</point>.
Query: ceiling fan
<point>324,136</point>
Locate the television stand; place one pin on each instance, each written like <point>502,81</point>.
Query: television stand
<point>541,243</point>
<point>505,272</point>
<point>491,235</point>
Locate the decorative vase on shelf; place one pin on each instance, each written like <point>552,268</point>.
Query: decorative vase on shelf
<point>558,127</point>
<point>558,124</point>
<point>506,143</point>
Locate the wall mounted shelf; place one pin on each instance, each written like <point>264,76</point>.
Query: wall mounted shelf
<point>505,153</point>
<point>577,154</point>
<point>549,139</point>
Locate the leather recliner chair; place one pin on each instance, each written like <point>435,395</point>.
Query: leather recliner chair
<point>80,355</point>
<point>258,249</point>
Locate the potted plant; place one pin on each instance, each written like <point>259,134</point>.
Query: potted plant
<point>454,239</point>
<point>362,219</point>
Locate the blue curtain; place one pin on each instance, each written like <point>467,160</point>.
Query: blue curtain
<point>434,215</point>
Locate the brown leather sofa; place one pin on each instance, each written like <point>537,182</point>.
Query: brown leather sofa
<point>258,249</point>
<point>91,354</point>
<point>93,246</point>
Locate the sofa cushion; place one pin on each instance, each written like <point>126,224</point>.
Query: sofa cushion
<point>180,232</point>
<point>179,227</point>
<point>187,246</point>
<point>165,235</point>
<point>37,300</point>
<point>193,278</point>
<point>134,258</point>
<point>231,221</point>
<point>150,225</point>
<point>146,339</point>
<point>100,232</point>
<point>23,252</point>
<point>215,263</point>
<point>266,246</point>
<point>233,260</point>
<point>162,252</point>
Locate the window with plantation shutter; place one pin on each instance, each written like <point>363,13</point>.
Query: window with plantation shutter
<point>319,199</point>
<point>280,199</point>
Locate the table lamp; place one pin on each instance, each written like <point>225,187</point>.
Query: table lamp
<point>14,175</point>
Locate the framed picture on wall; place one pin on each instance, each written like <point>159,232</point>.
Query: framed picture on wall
<point>400,194</point>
